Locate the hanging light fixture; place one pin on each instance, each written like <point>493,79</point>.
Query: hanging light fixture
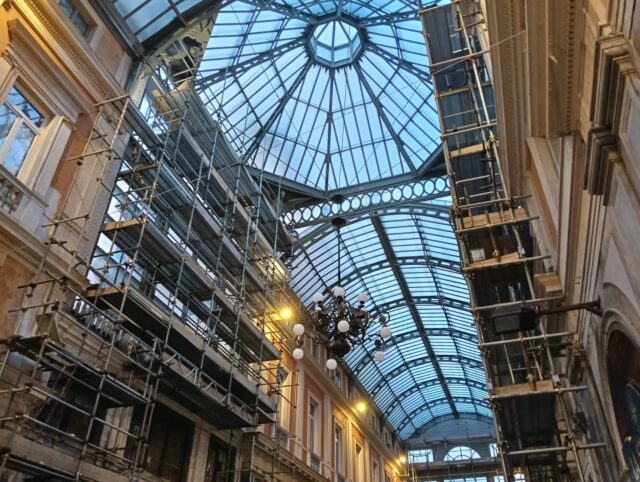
<point>338,324</point>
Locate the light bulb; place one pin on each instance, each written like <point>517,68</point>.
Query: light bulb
<point>298,353</point>
<point>363,297</point>
<point>298,329</point>
<point>385,332</point>
<point>317,298</point>
<point>343,326</point>
<point>338,291</point>
<point>378,356</point>
<point>332,363</point>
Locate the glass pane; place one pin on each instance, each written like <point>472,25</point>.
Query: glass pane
<point>67,7</point>
<point>19,148</point>
<point>7,118</point>
<point>16,99</point>
<point>70,10</point>
<point>80,24</point>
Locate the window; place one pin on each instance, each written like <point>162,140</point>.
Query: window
<point>337,378</point>
<point>375,471</point>
<point>76,17</point>
<point>493,450</point>
<point>461,453</point>
<point>220,461</point>
<point>455,36</point>
<point>20,123</point>
<point>286,401</point>
<point>339,454</point>
<point>313,443</point>
<point>170,437</point>
<point>423,456</point>
<point>359,468</point>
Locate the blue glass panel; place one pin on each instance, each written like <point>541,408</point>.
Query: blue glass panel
<point>360,110</point>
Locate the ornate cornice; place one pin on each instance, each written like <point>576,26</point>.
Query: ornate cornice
<point>81,62</point>
<point>612,66</point>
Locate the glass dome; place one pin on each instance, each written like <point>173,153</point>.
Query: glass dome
<point>335,43</point>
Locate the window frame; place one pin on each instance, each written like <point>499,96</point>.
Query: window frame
<point>339,454</point>
<point>83,14</point>
<point>375,470</point>
<point>461,452</point>
<point>313,431</point>
<point>23,119</point>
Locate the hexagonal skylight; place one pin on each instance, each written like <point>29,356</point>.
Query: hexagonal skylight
<point>335,43</point>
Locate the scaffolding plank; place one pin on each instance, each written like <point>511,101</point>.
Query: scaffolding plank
<point>468,150</point>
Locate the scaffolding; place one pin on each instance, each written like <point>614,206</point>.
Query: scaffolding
<point>524,347</point>
<point>172,288</point>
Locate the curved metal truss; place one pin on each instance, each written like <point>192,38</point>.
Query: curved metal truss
<point>404,256</point>
<point>369,201</point>
<point>329,94</point>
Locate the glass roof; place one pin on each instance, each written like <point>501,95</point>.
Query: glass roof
<point>328,94</point>
<point>334,95</point>
<point>415,261</point>
<point>335,43</point>
<point>147,17</point>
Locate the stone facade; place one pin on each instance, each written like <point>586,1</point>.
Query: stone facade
<point>566,92</point>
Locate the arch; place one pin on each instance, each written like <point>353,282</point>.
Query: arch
<point>470,362</point>
<point>446,418</point>
<point>421,300</point>
<point>461,452</point>
<point>415,209</point>
<point>437,402</point>
<point>430,383</point>
<point>395,339</point>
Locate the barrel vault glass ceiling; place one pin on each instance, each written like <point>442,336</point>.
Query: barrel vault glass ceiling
<point>336,95</point>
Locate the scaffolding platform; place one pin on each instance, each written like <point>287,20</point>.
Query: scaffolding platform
<point>148,316</point>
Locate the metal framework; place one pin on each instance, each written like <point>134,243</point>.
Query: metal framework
<point>325,127</point>
<point>525,365</point>
<point>403,255</point>
<point>182,301</point>
<point>366,129</point>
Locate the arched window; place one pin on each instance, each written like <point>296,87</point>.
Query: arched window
<point>461,453</point>
<point>623,370</point>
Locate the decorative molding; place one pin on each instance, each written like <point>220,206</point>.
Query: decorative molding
<point>612,67</point>
<point>600,143</point>
<point>81,63</point>
<point>29,250</point>
<point>572,33</point>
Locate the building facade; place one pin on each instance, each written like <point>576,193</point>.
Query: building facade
<point>144,269</point>
<point>566,93</point>
<point>142,288</point>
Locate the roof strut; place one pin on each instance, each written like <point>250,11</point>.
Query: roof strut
<point>406,292</point>
<point>255,144</point>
